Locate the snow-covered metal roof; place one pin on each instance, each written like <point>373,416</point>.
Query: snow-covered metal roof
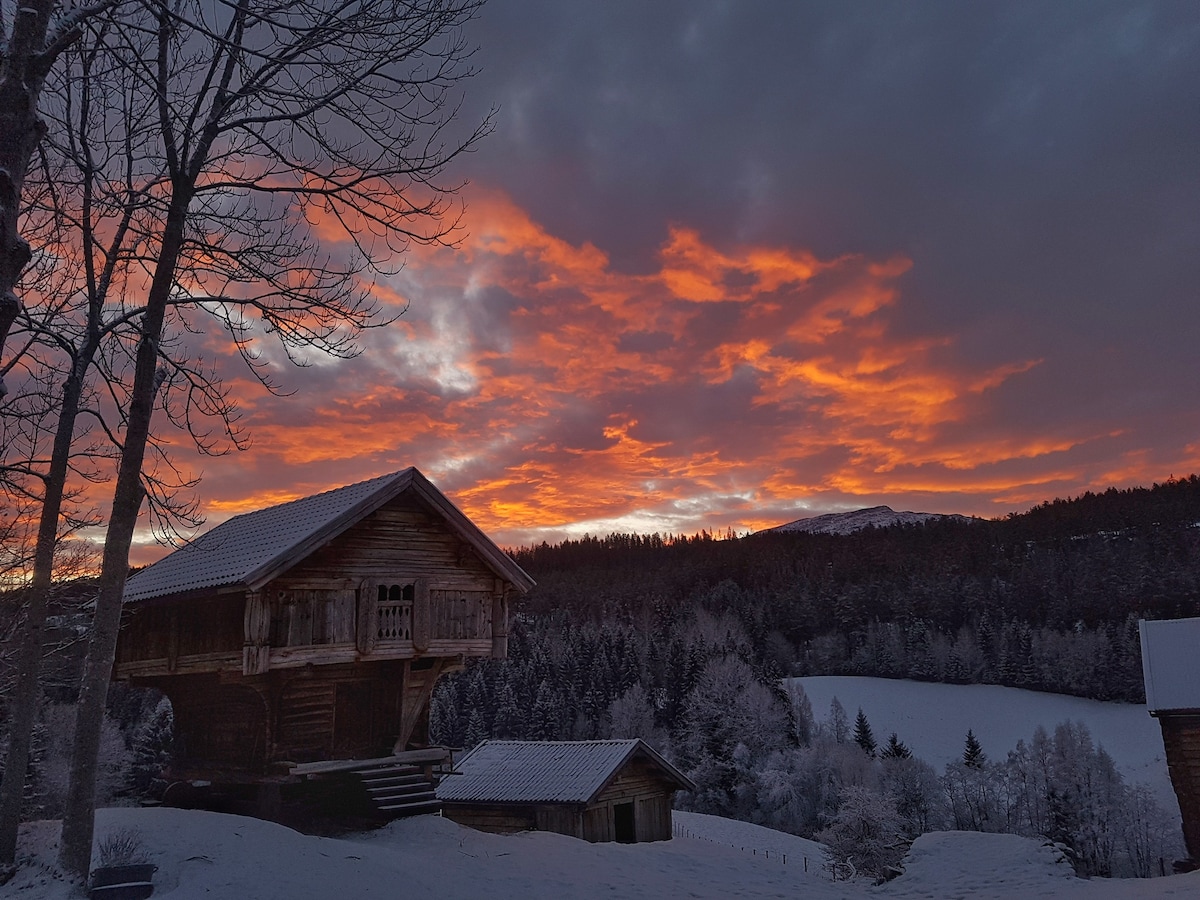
<point>545,771</point>
<point>251,549</point>
<point>1171,663</point>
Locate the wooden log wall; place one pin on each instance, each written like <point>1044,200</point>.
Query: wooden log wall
<point>1181,739</point>
<point>205,626</point>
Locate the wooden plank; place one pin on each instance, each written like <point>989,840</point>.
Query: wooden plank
<point>184,665</point>
<point>422,625</point>
<point>405,758</point>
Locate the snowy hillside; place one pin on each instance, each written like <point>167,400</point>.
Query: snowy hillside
<point>210,855</point>
<point>857,520</point>
<point>933,720</point>
<point>201,854</point>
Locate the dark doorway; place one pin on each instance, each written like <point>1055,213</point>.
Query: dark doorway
<point>623,827</point>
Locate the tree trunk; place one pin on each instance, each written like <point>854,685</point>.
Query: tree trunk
<point>22,74</point>
<point>75,852</point>
<point>24,704</point>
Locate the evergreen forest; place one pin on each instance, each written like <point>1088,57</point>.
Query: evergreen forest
<point>683,641</point>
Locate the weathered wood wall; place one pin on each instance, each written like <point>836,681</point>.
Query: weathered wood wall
<point>639,782</point>
<point>1181,739</point>
<point>183,636</point>
<point>495,818</point>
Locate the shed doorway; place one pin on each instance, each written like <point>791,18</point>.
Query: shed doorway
<point>624,831</point>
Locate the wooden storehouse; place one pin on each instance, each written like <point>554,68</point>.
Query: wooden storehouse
<point>1171,669</point>
<point>314,631</point>
<point>619,790</point>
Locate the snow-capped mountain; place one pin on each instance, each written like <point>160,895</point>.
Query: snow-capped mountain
<point>856,520</point>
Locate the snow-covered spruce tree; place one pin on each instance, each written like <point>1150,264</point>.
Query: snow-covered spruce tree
<point>862,733</point>
<point>151,751</point>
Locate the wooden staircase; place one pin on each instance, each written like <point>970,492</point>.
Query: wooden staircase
<point>400,790</point>
<point>396,786</point>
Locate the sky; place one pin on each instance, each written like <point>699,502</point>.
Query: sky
<point>727,265</point>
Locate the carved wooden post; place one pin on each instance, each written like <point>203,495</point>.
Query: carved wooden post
<point>422,615</point>
<point>256,646</point>
<point>368,615</point>
<point>500,621</point>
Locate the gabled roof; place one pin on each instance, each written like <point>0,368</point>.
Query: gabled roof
<point>1171,663</point>
<point>546,771</point>
<point>251,549</point>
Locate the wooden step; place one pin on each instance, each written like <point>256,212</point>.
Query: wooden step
<point>419,793</point>
<point>412,809</point>
<point>394,781</point>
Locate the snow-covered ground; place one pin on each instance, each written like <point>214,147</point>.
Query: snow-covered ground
<point>211,855</point>
<point>932,719</point>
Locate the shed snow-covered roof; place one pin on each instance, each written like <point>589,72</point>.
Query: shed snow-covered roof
<point>1171,663</point>
<point>546,771</point>
<point>251,549</point>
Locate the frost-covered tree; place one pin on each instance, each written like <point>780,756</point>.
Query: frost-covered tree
<point>838,722</point>
<point>867,833</point>
<point>727,708</point>
<point>802,712</point>
<point>151,751</point>
<point>632,716</point>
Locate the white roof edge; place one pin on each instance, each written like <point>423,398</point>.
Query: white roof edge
<point>1171,663</point>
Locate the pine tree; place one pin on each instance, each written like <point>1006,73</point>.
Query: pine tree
<point>152,748</point>
<point>862,733</point>
<point>476,730</point>
<point>973,755</point>
<point>895,749</point>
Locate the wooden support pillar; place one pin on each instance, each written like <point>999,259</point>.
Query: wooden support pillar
<point>500,620</point>
<point>367,631</point>
<point>422,616</point>
<point>256,644</point>
<point>414,699</point>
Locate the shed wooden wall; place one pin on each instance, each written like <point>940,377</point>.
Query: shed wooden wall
<point>1181,739</point>
<point>641,782</point>
<point>496,818</point>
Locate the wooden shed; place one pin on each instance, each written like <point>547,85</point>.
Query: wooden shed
<point>314,631</point>
<point>618,790</point>
<point>1171,669</point>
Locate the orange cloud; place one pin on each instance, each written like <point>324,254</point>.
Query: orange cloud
<point>547,390</point>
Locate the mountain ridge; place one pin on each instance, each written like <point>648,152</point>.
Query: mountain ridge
<point>858,519</point>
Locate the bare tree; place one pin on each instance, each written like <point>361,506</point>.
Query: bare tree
<point>32,35</point>
<point>269,119</point>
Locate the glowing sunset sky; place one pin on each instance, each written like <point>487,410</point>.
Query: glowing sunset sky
<point>732,264</point>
